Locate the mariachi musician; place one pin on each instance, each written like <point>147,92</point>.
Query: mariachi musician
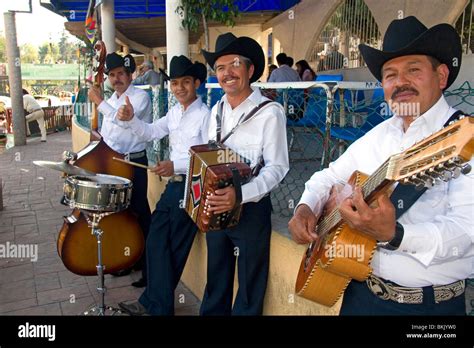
<point>171,231</point>
<point>262,140</point>
<point>424,256</point>
<point>119,70</point>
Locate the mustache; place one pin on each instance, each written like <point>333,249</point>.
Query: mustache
<point>403,89</point>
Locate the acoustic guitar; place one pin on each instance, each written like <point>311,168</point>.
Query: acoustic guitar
<point>325,272</point>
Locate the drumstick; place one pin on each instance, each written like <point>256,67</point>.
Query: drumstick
<point>134,164</point>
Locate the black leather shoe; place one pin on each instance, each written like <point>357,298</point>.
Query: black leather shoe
<point>122,272</point>
<point>140,283</point>
<point>133,308</point>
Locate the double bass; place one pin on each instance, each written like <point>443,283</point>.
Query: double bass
<point>122,240</point>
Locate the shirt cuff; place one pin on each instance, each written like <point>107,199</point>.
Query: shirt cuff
<point>134,123</point>
<point>246,193</point>
<point>180,166</point>
<point>105,109</point>
<point>419,241</point>
<point>311,201</point>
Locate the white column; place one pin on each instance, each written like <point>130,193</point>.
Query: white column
<point>108,25</point>
<point>177,38</point>
<point>14,78</point>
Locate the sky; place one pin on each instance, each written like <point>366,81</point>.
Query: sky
<point>34,28</point>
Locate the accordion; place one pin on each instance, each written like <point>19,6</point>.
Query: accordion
<point>213,166</point>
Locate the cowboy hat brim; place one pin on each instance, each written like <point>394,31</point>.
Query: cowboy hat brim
<point>428,43</point>
<point>197,70</point>
<point>243,46</point>
<point>114,60</point>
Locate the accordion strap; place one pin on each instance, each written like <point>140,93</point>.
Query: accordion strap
<point>243,118</point>
<point>237,181</point>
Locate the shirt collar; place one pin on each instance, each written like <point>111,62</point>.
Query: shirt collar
<point>431,120</point>
<point>128,91</point>
<point>195,105</point>
<point>253,99</point>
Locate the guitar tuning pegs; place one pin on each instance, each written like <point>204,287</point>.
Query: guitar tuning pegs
<point>427,180</point>
<point>429,183</point>
<point>419,187</point>
<point>466,169</point>
<point>415,180</point>
<point>456,172</point>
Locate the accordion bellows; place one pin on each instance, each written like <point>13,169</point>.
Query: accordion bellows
<point>211,167</point>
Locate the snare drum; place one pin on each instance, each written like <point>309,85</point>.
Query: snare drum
<point>104,193</point>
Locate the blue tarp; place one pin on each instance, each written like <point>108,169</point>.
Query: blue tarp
<point>75,11</point>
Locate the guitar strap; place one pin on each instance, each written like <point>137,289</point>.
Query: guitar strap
<point>408,194</point>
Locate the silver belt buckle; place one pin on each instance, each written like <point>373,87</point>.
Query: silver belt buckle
<point>176,178</point>
<point>127,157</point>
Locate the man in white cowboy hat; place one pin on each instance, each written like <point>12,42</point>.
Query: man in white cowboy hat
<point>262,140</point>
<point>119,70</point>
<point>426,252</point>
<point>171,231</point>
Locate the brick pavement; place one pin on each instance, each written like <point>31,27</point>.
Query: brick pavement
<point>32,215</point>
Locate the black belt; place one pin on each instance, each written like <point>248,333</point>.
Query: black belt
<point>135,155</point>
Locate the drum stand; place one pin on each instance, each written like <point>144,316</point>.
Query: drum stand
<point>101,308</point>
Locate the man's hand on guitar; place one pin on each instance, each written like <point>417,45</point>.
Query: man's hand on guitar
<point>95,95</point>
<point>223,200</point>
<point>303,225</point>
<point>377,222</point>
<point>125,112</point>
<point>164,168</point>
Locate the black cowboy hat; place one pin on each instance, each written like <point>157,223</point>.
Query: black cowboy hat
<point>228,43</point>
<point>181,66</point>
<point>409,36</point>
<point>114,60</point>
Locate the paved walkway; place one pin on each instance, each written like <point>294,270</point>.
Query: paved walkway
<point>32,216</point>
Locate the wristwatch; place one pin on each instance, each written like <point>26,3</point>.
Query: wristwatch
<point>395,242</point>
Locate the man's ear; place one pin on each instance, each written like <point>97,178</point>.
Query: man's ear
<point>443,74</point>
<point>251,71</point>
<point>197,83</point>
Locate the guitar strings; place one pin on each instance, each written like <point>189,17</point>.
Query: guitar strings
<point>331,220</point>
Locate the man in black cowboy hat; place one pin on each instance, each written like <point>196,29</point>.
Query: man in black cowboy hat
<point>262,140</point>
<point>119,70</point>
<point>425,252</point>
<point>171,231</point>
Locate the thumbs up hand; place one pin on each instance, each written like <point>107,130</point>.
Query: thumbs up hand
<point>125,112</point>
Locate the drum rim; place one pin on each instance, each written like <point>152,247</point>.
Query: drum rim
<point>96,207</point>
<point>76,179</point>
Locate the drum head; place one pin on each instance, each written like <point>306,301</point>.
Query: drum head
<point>103,193</point>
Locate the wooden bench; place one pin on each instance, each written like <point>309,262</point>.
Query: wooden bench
<point>56,118</point>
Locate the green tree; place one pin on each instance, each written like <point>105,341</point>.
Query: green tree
<point>3,50</point>
<point>48,53</point>
<point>29,54</point>
<point>44,51</point>
<point>194,12</point>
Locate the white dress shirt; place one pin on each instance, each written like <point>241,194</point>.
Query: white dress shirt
<point>30,104</point>
<point>264,134</point>
<point>185,128</point>
<point>120,137</point>
<point>438,244</point>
